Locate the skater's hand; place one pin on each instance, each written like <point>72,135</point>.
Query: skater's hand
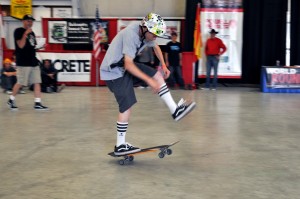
<point>166,72</point>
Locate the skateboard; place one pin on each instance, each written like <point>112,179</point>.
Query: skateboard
<point>163,150</point>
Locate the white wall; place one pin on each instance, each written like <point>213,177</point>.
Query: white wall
<point>132,8</point>
<point>107,8</point>
<point>11,24</point>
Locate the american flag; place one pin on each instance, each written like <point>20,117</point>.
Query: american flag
<point>97,36</point>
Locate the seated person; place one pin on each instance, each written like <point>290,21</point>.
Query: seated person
<point>8,76</point>
<point>49,78</point>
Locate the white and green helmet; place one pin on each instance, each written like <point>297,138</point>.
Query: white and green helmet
<point>155,24</point>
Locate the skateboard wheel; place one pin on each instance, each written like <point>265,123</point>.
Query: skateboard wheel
<point>121,162</point>
<point>130,158</point>
<point>169,151</point>
<point>126,161</point>
<point>161,155</point>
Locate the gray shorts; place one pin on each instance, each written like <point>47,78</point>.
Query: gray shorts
<point>123,87</point>
<point>26,75</point>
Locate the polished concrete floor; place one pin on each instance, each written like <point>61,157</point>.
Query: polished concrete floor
<point>238,143</point>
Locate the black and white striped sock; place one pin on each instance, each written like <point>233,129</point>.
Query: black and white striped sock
<point>121,132</point>
<point>166,96</point>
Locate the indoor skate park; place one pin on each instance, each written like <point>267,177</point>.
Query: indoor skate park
<point>241,141</point>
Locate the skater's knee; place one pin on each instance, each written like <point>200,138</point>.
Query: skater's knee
<point>159,78</point>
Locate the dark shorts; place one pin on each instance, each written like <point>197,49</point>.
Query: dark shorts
<point>123,87</point>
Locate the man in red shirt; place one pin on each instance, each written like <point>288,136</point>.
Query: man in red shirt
<point>214,49</point>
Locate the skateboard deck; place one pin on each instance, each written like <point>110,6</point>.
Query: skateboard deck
<point>163,150</point>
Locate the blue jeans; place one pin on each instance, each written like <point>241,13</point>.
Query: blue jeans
<point>212,62</point>
<point>175,76</point>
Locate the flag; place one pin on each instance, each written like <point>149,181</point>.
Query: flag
<point>97,36</point>
<point>1,39</point>
<point>197,34</point>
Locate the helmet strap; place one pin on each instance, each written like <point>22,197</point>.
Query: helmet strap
<point>143,33</point>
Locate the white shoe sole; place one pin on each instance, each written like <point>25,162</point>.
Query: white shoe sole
<point>42,109</point>
<point>186,112</point>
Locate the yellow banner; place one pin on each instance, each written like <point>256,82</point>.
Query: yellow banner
<point>19,8</point>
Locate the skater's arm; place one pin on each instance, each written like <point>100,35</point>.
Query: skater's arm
<point>160,57</point>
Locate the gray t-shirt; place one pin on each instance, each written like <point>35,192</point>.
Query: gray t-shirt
<point>126,42</point>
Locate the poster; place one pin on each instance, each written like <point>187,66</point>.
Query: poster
<point>72,67</point>
<point>19,8</point>
<point>283,77</point>
<point>226,17</point>
<point>75,31</point>
<point>57,32</point>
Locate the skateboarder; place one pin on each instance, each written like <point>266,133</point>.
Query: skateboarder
<point>120,73</point>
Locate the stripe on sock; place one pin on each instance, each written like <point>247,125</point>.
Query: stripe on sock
<point>122,127</point>
<point>166,96</point>
<point>121,132</point>
<point>163,90</point>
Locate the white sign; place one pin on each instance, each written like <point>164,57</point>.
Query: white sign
<point>62,12</point>
<point>230,27</point>
<point>72,67</point>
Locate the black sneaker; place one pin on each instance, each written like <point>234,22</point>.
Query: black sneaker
<point>126,148</point>
<point>39,106</point>
<point>12,105</point>
<point>183,109</point>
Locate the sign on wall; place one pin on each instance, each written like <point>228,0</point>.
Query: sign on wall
<point>227,19</point>
<point>72,67</point>
<point>62,12</point>
<point>19,8</point>
<point>283,77</point>
<point>75,31</point>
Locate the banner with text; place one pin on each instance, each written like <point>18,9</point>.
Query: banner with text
<point>19,8</point>
<point>75,31</point>
<point>72,67</point>
<point>283,77</point>
<point>227,19</point>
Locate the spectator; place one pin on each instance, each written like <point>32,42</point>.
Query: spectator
<point>14,65</point>
<point>145,57</point>
<point>214,49</point>
<point>49,78</point>
<point>27,63</point>
<point>173,62</point>
<point>8,76</point>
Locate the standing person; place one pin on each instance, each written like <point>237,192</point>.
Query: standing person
<point>214,49</point>
<point>13,64</point>
<point>146,56</point>
<point>27,63</point>
<point>173,61</point>
<point>120,72</point>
